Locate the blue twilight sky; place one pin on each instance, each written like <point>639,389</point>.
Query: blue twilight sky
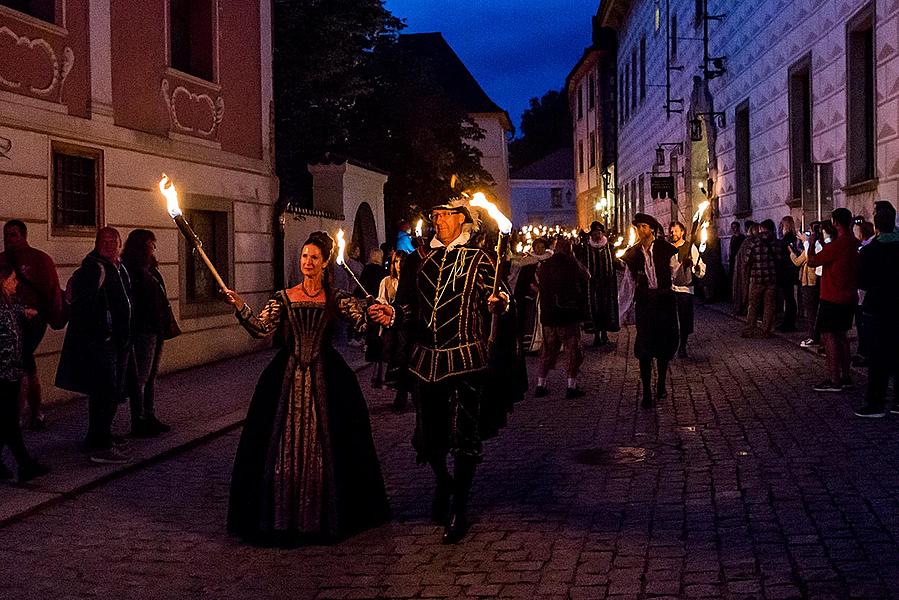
<point>516,49</point>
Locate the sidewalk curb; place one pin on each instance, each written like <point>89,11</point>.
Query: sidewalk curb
<point>222,425</point>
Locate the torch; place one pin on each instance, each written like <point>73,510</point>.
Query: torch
<point>167,187</point>
<point>697,218</point>
<point>341,248</point>
<point>631,240</point>
<point>505,228</point>
<point>419,236</point>
<point>703,236</point>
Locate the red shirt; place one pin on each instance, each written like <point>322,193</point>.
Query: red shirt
<point>839,279</point>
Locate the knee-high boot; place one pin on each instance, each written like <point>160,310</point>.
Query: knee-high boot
<point>646,381</point>
<point>662,365</point>
<point>440,504</point>
<point>463,477</point>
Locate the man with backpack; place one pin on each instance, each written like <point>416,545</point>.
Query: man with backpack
<point>562,283</point>
<point>97,346</point>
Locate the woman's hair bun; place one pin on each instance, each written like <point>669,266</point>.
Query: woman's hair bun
<point>323,241</point>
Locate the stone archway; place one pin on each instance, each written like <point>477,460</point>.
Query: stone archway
<point>365,232</point>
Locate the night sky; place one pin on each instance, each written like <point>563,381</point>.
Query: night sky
<point>516,49</point>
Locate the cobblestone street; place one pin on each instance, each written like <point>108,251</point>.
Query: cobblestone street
<point>742,484</point>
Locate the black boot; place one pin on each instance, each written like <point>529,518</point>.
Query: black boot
<point>646,382</point>
<point>457,525</point>
<point>440,504</point>
<point>661,392</point>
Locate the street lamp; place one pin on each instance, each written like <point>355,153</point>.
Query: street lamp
<point>717,118</point>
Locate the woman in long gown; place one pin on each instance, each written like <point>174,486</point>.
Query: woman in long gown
<point>306,469</point>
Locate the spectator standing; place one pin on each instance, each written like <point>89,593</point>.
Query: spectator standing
<point>762,267</point>
<point>808,291</point>
<point>652,263</point>
<point>152,322</point>
<point>396,339</point>
<point>864,233</point>
<point>97,347</point>
<point>839,295</point>
<point>740,272</point>
<point>12,316</point>
<point>736,240</point>
<point>563,290</point>
<point>526,292</point>
<point>38,289</point>
<point>690,264</point>
<point>370,278</point>
<point>879,278</point>
<point>787,273</point>
<point>404,241</point>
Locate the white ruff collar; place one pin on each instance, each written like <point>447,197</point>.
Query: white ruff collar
<point>459,241</point>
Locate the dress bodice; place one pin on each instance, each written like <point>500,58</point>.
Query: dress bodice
<point>309,323</point>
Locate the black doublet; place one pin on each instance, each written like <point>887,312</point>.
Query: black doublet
<point>446,298</point>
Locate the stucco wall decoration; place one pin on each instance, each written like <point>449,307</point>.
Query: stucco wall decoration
<point>32,65</point>
<point>193,114</point>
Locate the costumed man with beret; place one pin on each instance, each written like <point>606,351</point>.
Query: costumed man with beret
<point>653,263</point>
<point>445,298</point>
<point>596,256</point>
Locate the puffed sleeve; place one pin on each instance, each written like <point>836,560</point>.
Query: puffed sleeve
<point>266,322</point>
<point>351,308</point>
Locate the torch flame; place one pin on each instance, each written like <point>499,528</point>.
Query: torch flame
<point>703,236</point>
<point>619,241</point>
<point>167,187</point>
<point>632,236</point>
<point>341,246</point>
<point>700,210</point>
<point>504,224</point>
<point>418,227</point>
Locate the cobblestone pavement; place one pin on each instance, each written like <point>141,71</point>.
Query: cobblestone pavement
<point>743,484</point>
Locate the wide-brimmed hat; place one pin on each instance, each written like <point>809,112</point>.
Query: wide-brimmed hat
<point>456,208</point>
<point>644,218</point>
<point>597,226</point>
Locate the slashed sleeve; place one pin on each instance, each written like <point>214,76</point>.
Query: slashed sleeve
<point>351,308</point>
<point>266,322</point>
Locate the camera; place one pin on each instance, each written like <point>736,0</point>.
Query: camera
<point>858,220</point>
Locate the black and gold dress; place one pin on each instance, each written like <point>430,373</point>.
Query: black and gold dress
<point>306,469</point>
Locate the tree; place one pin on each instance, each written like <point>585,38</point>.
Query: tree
<point>323,51</point>
<point>545,126</point>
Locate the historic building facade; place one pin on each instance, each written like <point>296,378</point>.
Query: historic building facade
<point>766,108</point>
<point>543,192</point>
<point>98,98</point>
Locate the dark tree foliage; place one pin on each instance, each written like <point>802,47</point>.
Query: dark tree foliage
<point>322,59</point>
<point>545,126</point>
<point>411,128</point>
<point>343,87</point>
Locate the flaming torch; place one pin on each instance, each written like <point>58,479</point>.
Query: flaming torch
<point>703,236</point>
<point>341,249</point>
<point>697,218</point>
<point>167,187</point>
<point>505,228</point>
<point>631,240</point>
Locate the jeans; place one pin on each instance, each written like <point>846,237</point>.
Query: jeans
<point>111,366</point>
<point>761,293</point>
<point>810,309</point>
<point>147,352</point>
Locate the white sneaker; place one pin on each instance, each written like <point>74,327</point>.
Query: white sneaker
<point>808,343</point>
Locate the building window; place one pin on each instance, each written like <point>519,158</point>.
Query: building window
<point>800,100</point>
<point>211,226</point>
<point>861,107</point>
<point>45,10</point>
<point>627,92</point>
<point>699,12</point>
<point>77,184</point>
<point>580,156</point>
<point>621,104</point>
<point>592,149</point>
<point>641,194</point>
<point>742,161</point>
<point>591,91</point>
<point>673,36</point>
<point>580,102</point>
<point>642,69</point>
<point>634,81</point>
<point>556,197</point>
<point>192,37</point>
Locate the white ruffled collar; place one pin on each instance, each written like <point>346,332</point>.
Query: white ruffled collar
<point>459,241</point>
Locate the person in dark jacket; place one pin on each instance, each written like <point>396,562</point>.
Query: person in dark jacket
<point>652,263</point>
<point>879,278</point>
<point>12,316</point>
<point>152,322</point>
<point>562,282</point>
<point>97,346</point>
<point>787,273</point>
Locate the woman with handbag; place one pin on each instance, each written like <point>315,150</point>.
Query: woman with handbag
<point>152,322</point>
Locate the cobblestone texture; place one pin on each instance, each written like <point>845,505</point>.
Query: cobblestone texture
<point>751,486</point>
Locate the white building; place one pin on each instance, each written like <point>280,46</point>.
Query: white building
<point>543,192</point>
<point>773,107</point>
